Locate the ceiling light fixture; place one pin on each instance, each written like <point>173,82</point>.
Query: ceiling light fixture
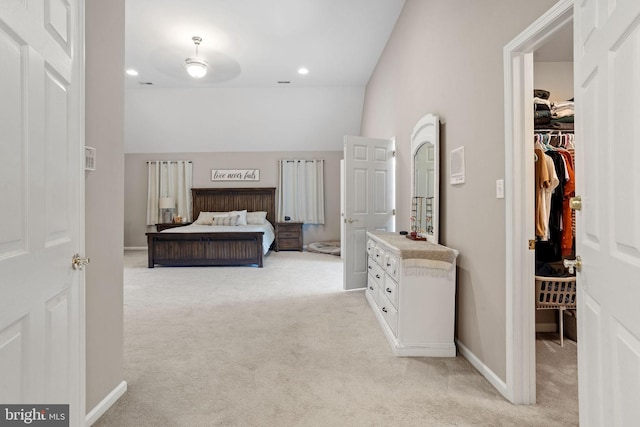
<point>196,67</point>
<point>132,72</point>
<point>303,71</point>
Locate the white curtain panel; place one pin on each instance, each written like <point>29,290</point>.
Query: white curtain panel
<point>301,195</point>
<point>169,179</point>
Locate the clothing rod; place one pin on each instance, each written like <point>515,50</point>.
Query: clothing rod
<point>559,131</point>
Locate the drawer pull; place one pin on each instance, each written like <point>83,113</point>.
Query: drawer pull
<point>377,276</point>
<point>384,309</point>
<point>388,290</point>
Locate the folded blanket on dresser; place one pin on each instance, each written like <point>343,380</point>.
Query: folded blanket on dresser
<point>420,254</point>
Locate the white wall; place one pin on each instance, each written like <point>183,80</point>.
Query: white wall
<point>556,77</point>
<point>445,57</point>
<point>168,120</point>
<point>104,197</point>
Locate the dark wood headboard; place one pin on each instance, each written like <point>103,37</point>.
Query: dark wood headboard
<point>234,199</point>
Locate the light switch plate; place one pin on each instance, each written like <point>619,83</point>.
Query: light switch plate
<point>500,188</point>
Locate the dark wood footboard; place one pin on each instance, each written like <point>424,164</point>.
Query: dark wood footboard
<point>193,249</point>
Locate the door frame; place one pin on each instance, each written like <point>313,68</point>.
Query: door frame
<point>519,201</point>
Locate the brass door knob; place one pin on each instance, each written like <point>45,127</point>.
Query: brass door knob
<point>575,203</point>
<point>78,263</point>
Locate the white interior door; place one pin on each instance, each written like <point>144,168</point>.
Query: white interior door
<point>607,76</point>
<point>369,192</point>
<point>41,185</point>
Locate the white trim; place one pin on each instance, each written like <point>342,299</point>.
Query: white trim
<point>518,100</point>
<point>490,376</point>
<point>106,403</point>
<point>135,248</point>
<point>80,81</point>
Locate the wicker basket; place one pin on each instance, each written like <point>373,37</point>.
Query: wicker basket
<point>556,293</point>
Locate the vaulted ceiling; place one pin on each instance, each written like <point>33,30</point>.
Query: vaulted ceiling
<point>254,49</point>
<point>257,43</point>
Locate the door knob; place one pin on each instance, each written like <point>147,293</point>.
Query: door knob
<point>573,264</point>
<point>351,220</point>
<point>575,203</point>
<point>78,263</point>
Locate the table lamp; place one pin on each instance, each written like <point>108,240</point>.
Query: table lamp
<point>166,204</point>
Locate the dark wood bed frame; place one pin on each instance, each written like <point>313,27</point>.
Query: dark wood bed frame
<point>232,248</point>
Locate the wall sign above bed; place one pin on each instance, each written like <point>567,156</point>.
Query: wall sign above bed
<point>235,174</point>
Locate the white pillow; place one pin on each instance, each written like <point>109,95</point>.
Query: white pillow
<point>206,218</point>
<point>225,220</point>
<point>258,217</point>
<point>242,216</point>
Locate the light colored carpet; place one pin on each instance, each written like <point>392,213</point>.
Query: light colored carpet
<point>285,346</point>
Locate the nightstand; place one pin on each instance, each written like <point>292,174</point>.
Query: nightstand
<point>288,236</point>
<point>164,226</point>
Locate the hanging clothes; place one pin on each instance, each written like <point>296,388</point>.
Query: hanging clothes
<point>555,185</point>
<point>557,201</point>
<point>566,241</point>
<point>547,194</point>
<point>542,181</point>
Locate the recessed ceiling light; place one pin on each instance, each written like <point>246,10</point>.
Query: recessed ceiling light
<point>303,71</point>
<point>132,72</point>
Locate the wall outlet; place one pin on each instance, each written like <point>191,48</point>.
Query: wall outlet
<point>500,189</point>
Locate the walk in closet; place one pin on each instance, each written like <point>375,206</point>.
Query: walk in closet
<point>553,145</point>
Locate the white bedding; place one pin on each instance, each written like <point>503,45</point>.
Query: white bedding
<point>267,239</point>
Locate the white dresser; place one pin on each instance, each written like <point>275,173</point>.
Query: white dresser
<point>411,288</point>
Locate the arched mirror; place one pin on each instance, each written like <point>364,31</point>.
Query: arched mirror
<point>425,182</point>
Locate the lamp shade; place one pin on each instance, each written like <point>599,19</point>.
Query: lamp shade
<point>167,203</point>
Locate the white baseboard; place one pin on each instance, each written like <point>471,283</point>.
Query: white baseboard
<point>135,248</point>
<point>106,403</point>
<point>484,370</point>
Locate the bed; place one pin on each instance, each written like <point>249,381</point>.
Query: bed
<point>193,246</point>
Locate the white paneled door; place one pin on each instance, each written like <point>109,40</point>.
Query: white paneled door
<point>607,80</point>
<point>41,189</point>
<point>368,199</point>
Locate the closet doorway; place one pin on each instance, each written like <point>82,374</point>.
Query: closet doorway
<point>553,143</point>
<point>519,57</point>
<point>606,37</point>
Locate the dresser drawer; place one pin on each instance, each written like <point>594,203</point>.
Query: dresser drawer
<point>389,312</point>
<point>372,287</point>
<point>286,244</point>
<point>391,265</point>
<point>379,254</point>
<point>375,271</point>
<point>289,234</point>
<point>390,289</point>
<point>371,247</point>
